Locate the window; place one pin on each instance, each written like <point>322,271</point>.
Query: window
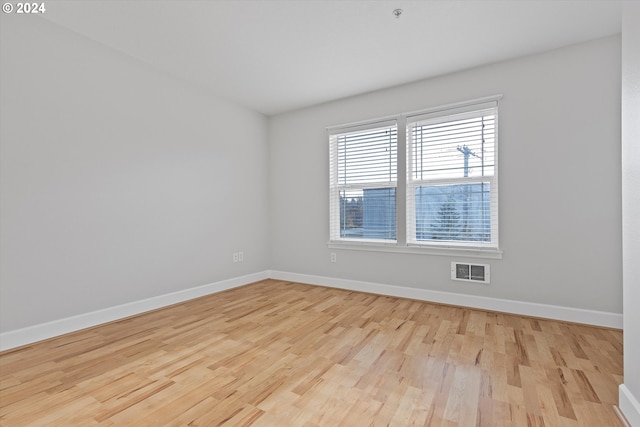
<point>451,185</point>
<point>417,181</point>
<point>364,173</point>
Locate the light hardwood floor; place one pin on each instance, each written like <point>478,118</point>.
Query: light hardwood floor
<point>287,354</point>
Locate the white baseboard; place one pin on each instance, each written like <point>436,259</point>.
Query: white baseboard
<point>566,314</point>
<point>31,334</point>
<point>629,406</point>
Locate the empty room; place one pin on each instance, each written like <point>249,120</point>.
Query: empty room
<point>320,213</point>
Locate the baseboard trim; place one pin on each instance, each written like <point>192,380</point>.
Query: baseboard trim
<point>32,334</point>
<point>566,314</point>
<point>629,406</point>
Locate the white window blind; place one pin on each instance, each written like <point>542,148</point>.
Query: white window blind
<point>452,188</point>
<point>363,179</point>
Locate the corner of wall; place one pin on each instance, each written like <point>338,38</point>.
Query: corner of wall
<point>629,406</point>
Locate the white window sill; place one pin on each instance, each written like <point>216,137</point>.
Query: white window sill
<point>378,246</point>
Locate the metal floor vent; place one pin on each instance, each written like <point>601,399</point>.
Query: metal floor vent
<point>470,272</point>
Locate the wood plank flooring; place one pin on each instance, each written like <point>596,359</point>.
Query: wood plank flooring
<point>287,354</point>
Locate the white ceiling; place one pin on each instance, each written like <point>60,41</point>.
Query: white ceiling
<point>278,55</point>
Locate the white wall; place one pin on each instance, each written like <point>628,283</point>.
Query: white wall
<point>630,391</point>
<point>559,177</point>
<point>119,183</point>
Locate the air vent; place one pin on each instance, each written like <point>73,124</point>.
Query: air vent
<point>470,272</point>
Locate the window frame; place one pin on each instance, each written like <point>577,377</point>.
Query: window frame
<point>335,187</point>
<point>474,110</point>
<point>403,244</point>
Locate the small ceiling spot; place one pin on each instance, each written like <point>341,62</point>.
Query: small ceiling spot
<point>397,13</point>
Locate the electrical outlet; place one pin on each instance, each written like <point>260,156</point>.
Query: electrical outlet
<point>236,256</point>
<point>241,256</point>
<point>333,257</point>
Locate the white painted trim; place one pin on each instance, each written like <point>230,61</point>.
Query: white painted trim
<point>555,312</point>
<point>459,251</point>
<point>31,334</point>
<point>54,328</point>
<point>629,406</point>
<point>457,107</point>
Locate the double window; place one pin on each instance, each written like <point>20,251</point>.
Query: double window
<point>426,179</point>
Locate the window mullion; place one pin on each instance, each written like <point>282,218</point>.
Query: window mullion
<point>401,189</point>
